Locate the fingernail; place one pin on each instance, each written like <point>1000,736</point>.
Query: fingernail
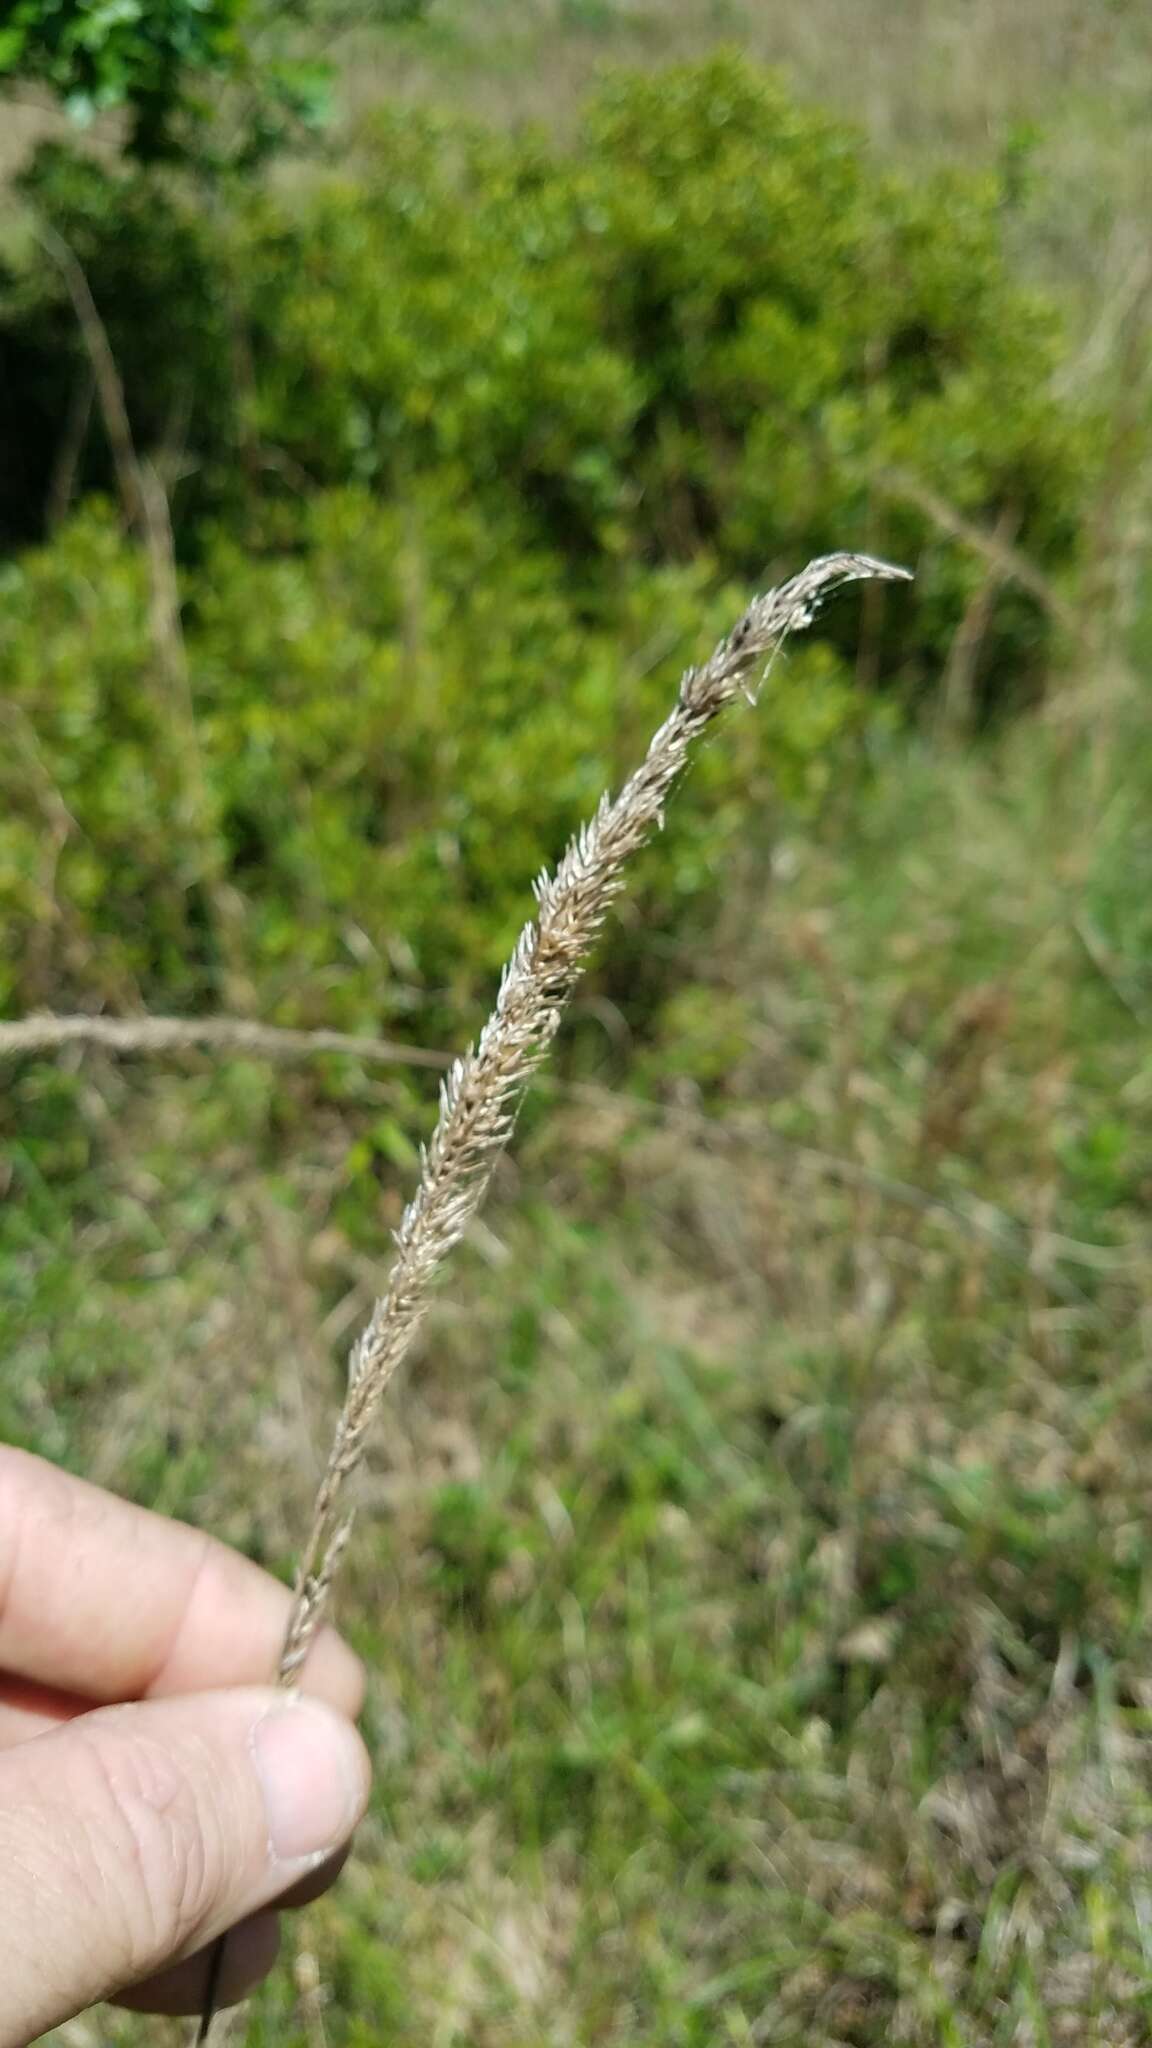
<point>313,1774</point>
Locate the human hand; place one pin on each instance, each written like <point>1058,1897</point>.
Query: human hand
<point>131,1835</point>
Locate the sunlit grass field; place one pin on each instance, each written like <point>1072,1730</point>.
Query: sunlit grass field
<point>754,1565</point>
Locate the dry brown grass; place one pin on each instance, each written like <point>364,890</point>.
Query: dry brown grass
<point>151,1037</point>
<point>937,71</point>
<point>29,117</point>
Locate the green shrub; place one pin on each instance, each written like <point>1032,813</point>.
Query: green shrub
<point>165,64</point>
<point>712,323</point>
<point>401,720</point>
<point>481,446</point>
<point>96,56</point>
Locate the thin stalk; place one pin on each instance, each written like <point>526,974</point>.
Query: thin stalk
<point>480,1096</point>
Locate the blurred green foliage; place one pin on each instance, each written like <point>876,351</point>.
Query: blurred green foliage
<point>165,64</point>
<point>105,53</point>
<point>476,446</point>
<point>400,721</point>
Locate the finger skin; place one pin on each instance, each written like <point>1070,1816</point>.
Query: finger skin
<point>250,1953</point>
<point>105,1601</point>
<point>248,1957</point>
<point>133,1836</point>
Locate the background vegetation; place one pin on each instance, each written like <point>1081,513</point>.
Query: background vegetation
<point>755,1568</point>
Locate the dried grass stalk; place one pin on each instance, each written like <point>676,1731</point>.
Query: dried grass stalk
<point>158,1035</point>
<point>480,1096</point>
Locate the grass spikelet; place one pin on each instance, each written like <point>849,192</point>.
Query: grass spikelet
<point>480,1095</point>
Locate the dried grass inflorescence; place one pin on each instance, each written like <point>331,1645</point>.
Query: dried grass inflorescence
<point>480,1096</point>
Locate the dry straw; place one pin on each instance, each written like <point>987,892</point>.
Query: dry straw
<point>157,1035</point>
<point>480,1096</point>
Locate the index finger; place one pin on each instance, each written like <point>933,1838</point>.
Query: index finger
<point>110,1602</point>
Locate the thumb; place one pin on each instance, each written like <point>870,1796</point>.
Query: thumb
<point>134,1835</point>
